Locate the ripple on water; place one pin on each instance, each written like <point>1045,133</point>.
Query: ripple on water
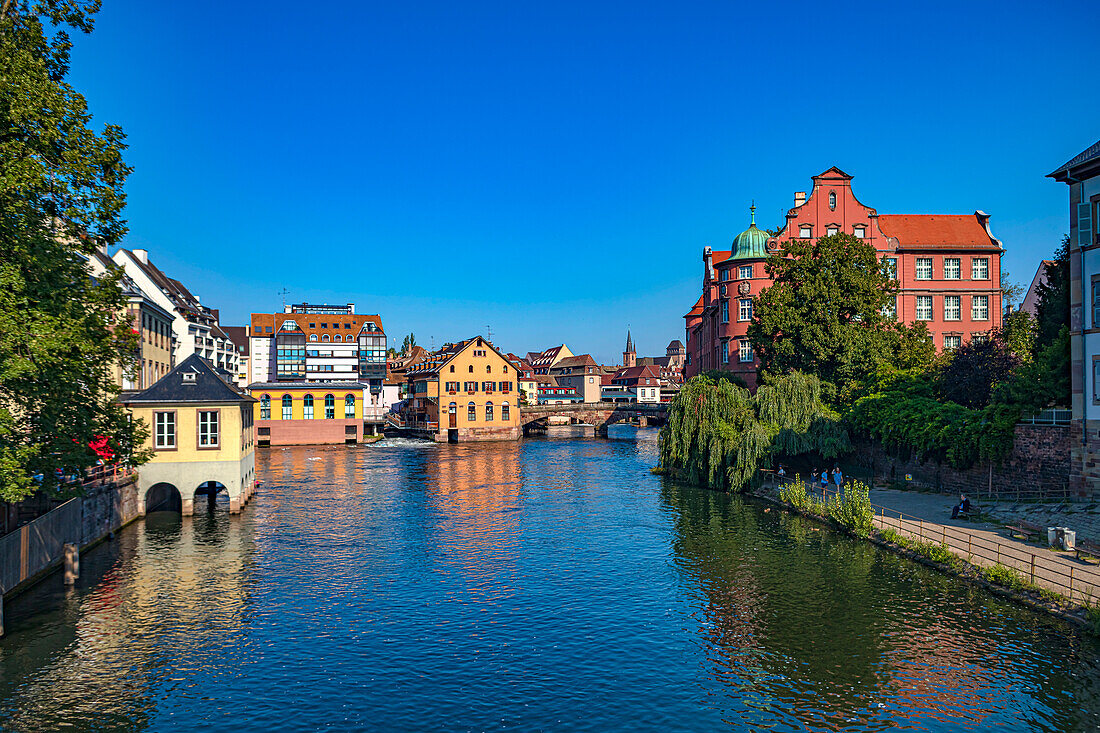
<point>547,584</point>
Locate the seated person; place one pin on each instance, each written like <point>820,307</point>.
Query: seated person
<point>963,507</point>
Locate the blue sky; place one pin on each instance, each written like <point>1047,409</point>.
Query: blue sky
<point>553,170</point>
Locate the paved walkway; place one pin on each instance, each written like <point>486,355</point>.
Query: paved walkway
<point>927,516</point>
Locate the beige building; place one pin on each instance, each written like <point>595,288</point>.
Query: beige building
<point>582,373</point>
<point>463,392</point>
<point>151,323</point>
<point>201,428</point>
<point>541,361</point>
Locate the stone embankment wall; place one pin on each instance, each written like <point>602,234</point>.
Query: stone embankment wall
<point>106,508</point>
<point>1036,468</point>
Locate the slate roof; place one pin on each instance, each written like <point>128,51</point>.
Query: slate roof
<point>1088,158</point>
<point>207,386</point>
<point>315,386</point>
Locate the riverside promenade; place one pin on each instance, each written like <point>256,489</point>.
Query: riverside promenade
<point>926,517</point>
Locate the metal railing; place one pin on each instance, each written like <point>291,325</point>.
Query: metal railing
<point>1050,416</point>
<point>39,544</point>
<point>1039,566</point>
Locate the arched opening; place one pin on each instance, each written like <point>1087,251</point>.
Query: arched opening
<point>163,497</point>
<point>265,407</point>
<point>307,407</point>
<point>330,407</point>
<point>471,412</point>
<point>832,200</point>
<point>217,496</point>
<point>287,407</point>
<point>349,406</point>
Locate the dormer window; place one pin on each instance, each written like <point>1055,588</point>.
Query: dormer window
<point>190,377</point>
<point>832,200</point>
<point>805,231</point>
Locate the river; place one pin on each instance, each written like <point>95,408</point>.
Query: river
<point>549,584</point>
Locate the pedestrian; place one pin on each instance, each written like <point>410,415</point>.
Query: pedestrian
<point>813,477</point>
<point>824,478</point>
<point>782,473</point>
<point>838,478</point>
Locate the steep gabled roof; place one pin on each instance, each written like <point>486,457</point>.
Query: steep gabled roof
<point>436,360</point>
<point>569,362</point>
<point>204,387</point>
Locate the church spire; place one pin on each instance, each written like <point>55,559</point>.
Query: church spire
<point>629,343</point>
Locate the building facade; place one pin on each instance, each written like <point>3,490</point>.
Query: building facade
<point>948,269</point>
<point>633,384</point>
<point>318,343</point>
<point>581,374</point>
<point>463,392</point>
<point>201,429</point>
<point>541,361</point>
<point>313,413</point>
<point>1082,173</point>
<point>151,323</point>
<point>195,328</point>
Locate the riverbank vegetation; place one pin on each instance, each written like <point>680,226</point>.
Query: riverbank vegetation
<point>61,199</point>
<point>835,364</point>
<point>719,435</point>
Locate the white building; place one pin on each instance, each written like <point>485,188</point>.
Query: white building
<point>194,326</point>
<point>1082,173</point>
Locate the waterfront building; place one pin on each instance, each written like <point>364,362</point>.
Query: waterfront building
<point>1082,173</point>
<point>201,429</point>
<point>541,361</point>
<point>195,328</point>
<point>318,343</point>
<point>581,373</point>
<point>465,391</point>
<point>947,267</point>
<point>633,384</point>
<point>550,392</point>
<point>314,413</point>
<point>150,322</point>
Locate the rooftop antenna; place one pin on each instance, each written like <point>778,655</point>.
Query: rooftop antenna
<point>489,333</point>
<point>283,293</point>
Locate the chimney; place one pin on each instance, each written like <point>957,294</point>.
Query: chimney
<point>142,255</point>
<point>708,263</point>
<point>799,198</point>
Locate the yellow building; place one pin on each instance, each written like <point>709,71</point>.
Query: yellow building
<point>201,428</point>
<point>312,413</point>
<point>463,392</point>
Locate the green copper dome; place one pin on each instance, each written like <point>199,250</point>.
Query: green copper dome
<point>750,244</point>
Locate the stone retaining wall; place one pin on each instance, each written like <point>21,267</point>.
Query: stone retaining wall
<point>1037,468</point>
<point>106,508</point>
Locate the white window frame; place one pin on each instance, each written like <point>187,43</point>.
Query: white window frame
<point>982,264</point>
<point>952,307</point>
<point>744,272</point>
<point>744,352</point>
<point>925,308</point>
<point>952,337</point>
<point>919,273</point>
<point>744,310</point>
<point>975,310</point>
<point>805,231</point>
<point>164,430</point>
<point>209,422</point>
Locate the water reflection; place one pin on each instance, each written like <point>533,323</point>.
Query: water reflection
<point>545,584</point>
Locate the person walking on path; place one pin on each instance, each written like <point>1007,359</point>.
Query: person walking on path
<point>838,478</point>
<point>813,477</point>
<point>824,480</point>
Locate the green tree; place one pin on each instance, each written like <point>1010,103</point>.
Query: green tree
<point>975,369</point>
<point>61,197</point>
<point>408,344</point>
<point>827,313</point>
<point>1052,313</point>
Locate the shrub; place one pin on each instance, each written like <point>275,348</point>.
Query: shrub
<point>794,493</point>
<point>1005,577</point>
<point>853,509</point>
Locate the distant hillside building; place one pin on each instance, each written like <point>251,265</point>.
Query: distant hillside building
<point>947,266</point>
<point>1030,303</point>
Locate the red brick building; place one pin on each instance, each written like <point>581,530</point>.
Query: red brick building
<point>948,267</point>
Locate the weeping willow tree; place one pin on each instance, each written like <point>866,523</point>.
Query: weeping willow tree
<point>718,434</point>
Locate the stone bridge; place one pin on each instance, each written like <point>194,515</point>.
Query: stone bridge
<point>598,414</point>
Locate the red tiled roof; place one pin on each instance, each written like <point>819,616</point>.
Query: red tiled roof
<point>696,309</point>
<point>937,230</point>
